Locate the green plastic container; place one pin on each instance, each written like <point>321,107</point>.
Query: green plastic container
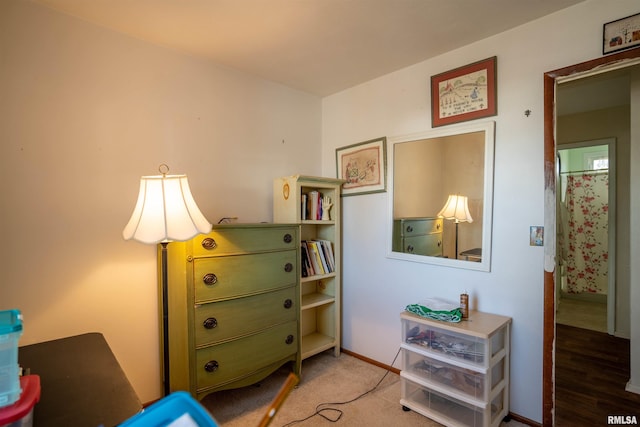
<point>10,332</point>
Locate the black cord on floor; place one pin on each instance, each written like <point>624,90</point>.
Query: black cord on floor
<point>326,411</point>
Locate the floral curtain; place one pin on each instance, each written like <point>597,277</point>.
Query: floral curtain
<point>586,233</point>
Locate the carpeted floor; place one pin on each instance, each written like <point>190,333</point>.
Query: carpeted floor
<point>325,378</point>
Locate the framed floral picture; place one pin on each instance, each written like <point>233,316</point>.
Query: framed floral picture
<point>363,166</point>
<point>465,93</point>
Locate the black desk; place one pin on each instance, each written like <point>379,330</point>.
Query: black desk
<point>82,383</point>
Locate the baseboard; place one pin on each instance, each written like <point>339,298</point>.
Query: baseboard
<point>584,296</point>
<point>523,420</point>
<point>513,416</point>
<point>632,388</point>
<point>371,361</point>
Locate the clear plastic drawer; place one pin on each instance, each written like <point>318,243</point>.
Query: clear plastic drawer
<point>447,409</point>
<point>448,343</point>
<point>454,378</point>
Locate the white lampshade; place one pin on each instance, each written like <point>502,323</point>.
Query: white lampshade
<point>165,211</point>
<point>456,208</point>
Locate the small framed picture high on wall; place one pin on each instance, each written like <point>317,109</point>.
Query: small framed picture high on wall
<point>363,166</point>
<point>621,34</point>
<point>465,93</point>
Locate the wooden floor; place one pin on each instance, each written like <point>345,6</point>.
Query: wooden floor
<point>592,369</point>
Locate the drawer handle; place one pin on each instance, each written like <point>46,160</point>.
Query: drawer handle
<point>438,226</point>
<point>211,366</point>
<point>288,303</point>
<point>409,228</point>
<point>287,238</point>
<point>289,339</point>
<point>288,267</point>
<point>209,243</point>
<point>210,279</point>
<point>410,249</point>
<point>439,243</point>
<point>210,323</point>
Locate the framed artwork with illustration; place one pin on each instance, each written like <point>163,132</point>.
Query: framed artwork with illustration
<point>465,93</point>
<point>363,167</point>
<point>621,34</point>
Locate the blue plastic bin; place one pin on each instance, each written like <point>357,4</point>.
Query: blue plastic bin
<point>178,406</point>
<point>10,332</point>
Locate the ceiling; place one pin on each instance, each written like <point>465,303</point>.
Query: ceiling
<point>318,46</point>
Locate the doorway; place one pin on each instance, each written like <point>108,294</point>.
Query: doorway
<point>586,234</point>
<point>551,79</point>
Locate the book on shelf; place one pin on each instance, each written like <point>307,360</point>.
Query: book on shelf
<point>319,253</point>
<point>313,199</point>
<point>311,208</point>
<point>303,208</point>
<point>307,268</point>
<point>303,267</point>
<point>328,254</point>
<point>317,257</point>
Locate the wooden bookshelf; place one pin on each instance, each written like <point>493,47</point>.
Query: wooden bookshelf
<point>320,294</point>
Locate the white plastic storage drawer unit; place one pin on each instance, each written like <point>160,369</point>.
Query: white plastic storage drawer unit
<point>456,373</point>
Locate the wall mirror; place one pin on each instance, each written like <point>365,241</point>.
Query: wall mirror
<point>441,184</point>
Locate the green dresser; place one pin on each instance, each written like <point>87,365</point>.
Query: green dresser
<point>234,304</point>
<point>419,236</point>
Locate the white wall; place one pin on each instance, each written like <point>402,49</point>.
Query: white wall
<point>377,288</point>
<point>84,112</point>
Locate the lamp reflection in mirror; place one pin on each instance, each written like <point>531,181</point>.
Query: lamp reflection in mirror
<point>165,211</point>
<point>456,209</point>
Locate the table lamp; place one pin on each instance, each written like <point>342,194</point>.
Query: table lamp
<point>456,209</point>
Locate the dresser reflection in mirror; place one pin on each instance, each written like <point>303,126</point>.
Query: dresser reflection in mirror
<point>419,236</point>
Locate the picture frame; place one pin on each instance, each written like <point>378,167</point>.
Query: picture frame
<point>536,235</point>
<point>464,93</point>
<point>621,34</point>
<point>363,166</point>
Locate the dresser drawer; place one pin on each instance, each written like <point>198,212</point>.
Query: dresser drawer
<point>237,240</point>
<point>428,244</point>
<point>226,277</point>
<point>234,318</point>
<point>413,227</point>
<point>225,362</point>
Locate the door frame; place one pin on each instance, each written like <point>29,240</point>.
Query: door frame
<point>603,64</point>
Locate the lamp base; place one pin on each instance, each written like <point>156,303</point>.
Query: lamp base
<point>165,322</point>
<point>457,223</point>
